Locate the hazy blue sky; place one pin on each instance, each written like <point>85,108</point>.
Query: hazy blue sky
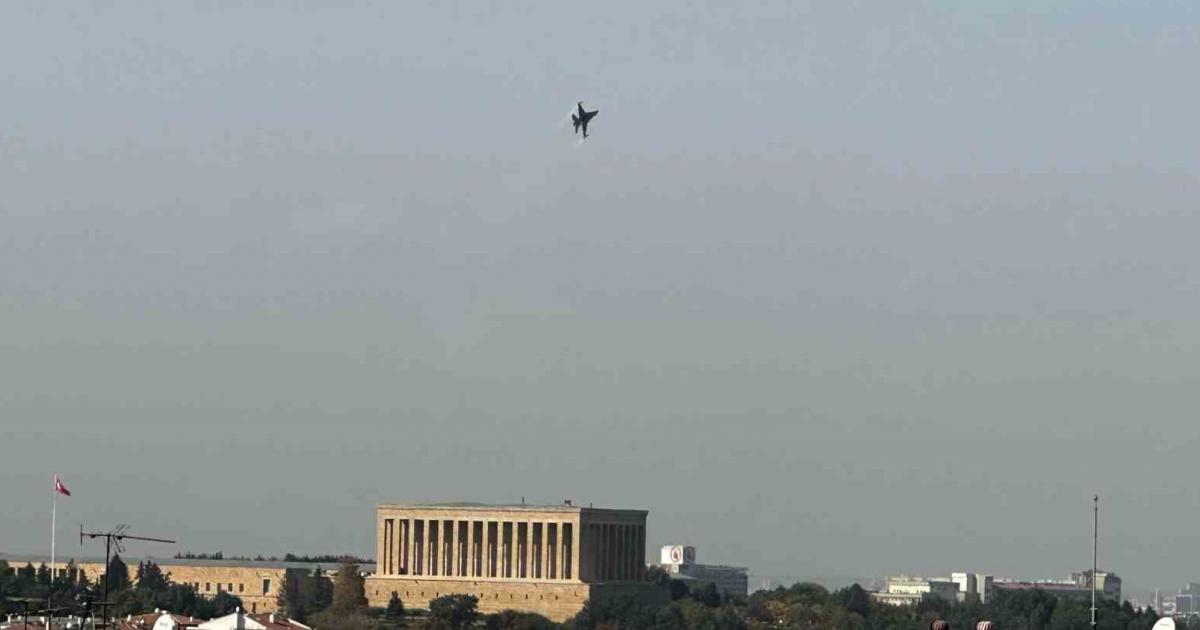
<point>835,288</point>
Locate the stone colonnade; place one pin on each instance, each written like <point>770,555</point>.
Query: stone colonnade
<point>479,548</point>
<point>613,552</point>
<point>510,548</point>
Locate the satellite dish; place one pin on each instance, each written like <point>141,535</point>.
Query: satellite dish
<point>1166,623</point>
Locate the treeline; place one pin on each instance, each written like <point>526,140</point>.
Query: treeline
<point>73,593</point>
<point>810,606</point>
<point>339,602</point>
<point>287,557</point>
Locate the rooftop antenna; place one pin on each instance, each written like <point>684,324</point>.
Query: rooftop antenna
<point>26,601</point>
<point>88,610</point>
<point>114,537</point>
<point>1095,551</point>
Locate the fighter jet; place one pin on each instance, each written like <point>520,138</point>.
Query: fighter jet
<point>582,118</point>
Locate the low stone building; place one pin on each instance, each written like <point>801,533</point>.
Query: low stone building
<point>256,583</point>
<point>904,590</point>
<point>548,560</point>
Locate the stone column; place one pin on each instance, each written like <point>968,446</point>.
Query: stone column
<point>602,551</point>
<point>539,551</point>
<point>418,549</point>
<point>393,525</point>
<point>379,536</point>
<point>618,571</point>
<point>609,552</point>
<point>471,550</point>
<point>512,550</point>
<point>629,552</point>
<point>408,546</point>
<point>622,554</point>
<point>453,556</point>
<point>632,574</point>
<point>564,555</point>
<point>498,565</point>
<point>635,557</point>
<point>550,572</point>
<point>619,549</point>
<point>448,548</point>
<point>432,540</point>
<point>527,557</point>
<point>401,547</point>
<point>583,545</point>
<point>485,557</point>
<point>597,540</point>
<point>576,554</point>
<point>624,544</point>
<point>489,565</point>
<point>559,549</point>
<point>386,549</point>
<point>623,549</point>
<point>641,552</point>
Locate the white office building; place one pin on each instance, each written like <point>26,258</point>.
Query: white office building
<point>679,561</point>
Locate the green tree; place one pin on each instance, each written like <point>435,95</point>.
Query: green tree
<point>355,621</point>
<point>223,604</point>
<point>180,599</point>
<point>349,592</point>
<point>853,598</point>
<point>517,620</point>
<point>151,578</point>
<point>26,577</point>
<point>679,589</point>
<point>287,600</point>
<point>70,577</point>
<point>614,612</point>
<point>706,593</point>
<point>395,610</point>
<point>656,575</point>
<point>453,612</point>
<point>43,575</point>
<point>84,583</point>
<point>696,615</point>
<point>117,575</point>
<point>320,590</point>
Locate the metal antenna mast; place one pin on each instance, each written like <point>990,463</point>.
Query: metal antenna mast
<point>117,536</point>
<point>1095,551</point>
<point>26,601</point>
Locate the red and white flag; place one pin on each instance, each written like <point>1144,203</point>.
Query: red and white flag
<point>59,487</point>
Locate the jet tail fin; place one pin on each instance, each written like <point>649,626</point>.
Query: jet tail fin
<point>575,119</point>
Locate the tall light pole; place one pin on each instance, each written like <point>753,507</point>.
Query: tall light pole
<point>1095,551</point>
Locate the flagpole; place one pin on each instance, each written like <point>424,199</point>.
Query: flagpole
<point>53,535</point>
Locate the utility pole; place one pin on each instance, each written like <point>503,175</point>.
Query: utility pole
<point>117,536</point>
<point>1095,551</point>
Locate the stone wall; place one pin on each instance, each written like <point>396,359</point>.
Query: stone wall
<point>557,601</point>
<point>257,587</point>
